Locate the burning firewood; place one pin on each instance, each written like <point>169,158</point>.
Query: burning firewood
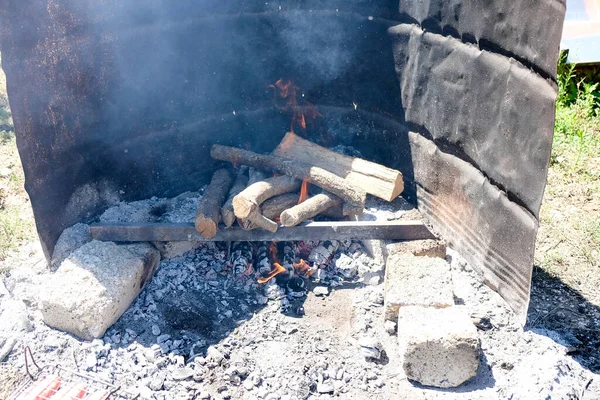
<point>353,196</point>
<point>209,207</point>
<point>273,208</point>
<point>247,203</point>
<point>240,183</point>
<point>373,178</point>
<point>310,208</point>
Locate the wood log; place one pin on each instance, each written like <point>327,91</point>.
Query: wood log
<point>209,207</point>
<point>353,196</point>
<point>310,208</point>
<point>240,183</point>
<point>373,178</point>
<point>247,203</point>
<point>273,208</point>
<point>254,175</point>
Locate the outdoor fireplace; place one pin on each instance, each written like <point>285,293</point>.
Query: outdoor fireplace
<point>117,100</point>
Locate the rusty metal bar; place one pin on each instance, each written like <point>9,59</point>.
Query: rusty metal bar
<point>168,232</point>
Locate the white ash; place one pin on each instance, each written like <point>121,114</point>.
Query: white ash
<point>205,329</point>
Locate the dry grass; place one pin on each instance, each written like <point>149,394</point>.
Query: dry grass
<point>16,218</point>
<point>568,245</point>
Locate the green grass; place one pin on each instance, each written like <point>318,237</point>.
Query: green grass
<point>569,237</point>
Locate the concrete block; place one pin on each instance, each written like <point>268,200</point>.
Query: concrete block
<point>70,240</point>
<point>421,281</point>
<point>94,286</point>
<point>419,248</point>
<point>439,347</point>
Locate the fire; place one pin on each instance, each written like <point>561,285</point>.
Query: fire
<point>300,113</point>
<point>303,269</point>
<point>278,267</point>
<point>303,191</point>
<point>249,271</point>
<point>278,270</point>
<point>273,252</point>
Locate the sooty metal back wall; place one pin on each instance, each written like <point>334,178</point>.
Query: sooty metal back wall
<point>121,100</point>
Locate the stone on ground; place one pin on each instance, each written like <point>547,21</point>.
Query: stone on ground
<point>419,248</point>
<point>439,346</point>
<point>94,286</point>
<point>416,281</point>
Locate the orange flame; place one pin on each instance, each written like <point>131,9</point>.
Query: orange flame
<point>302,268</point>
<point>303,191</point>
<point>289,92</point>
<point>273,252</point>
<point>278,270</point>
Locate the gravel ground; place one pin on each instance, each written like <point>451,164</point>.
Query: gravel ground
<point>204,328</point>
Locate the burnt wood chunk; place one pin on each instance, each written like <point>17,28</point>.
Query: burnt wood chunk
<point>353,196</point>
<point>209,207</point>
<point>373,178</point>
<point>240,183</point>
<point>246,204</point>
<point>347,230</point>
<point>309,209</point>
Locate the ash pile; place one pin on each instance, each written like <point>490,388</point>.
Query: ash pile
<point>318,326</point>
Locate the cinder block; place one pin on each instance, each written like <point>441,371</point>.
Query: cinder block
<point>420,281</point>
<point>439,347</point>
<point>94,286</point>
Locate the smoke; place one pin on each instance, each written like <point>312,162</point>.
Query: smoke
<point>317,45</point>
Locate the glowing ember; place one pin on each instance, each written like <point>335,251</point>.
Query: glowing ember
<point>278,270</point>
<point>300,113</point>
<point>273,252</point>
<point>249,270</point>
<point>303,191</point>
<point>303,269</point>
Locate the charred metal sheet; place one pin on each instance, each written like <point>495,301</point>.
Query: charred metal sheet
<point>529,31</point>
<point>490,108</point>
<point>495,235</point>
<point>121,100</point>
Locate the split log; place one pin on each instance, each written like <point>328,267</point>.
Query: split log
<point>310,208</point>
<point>373,178</point>
<point>247,203</point>
<point>353,196</point>
<point>209,207</point>
<point>240,183</point>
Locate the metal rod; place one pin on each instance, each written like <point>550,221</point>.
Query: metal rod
<point>168,232</point>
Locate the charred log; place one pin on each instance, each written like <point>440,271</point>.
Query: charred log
<point>209,207</point>
<point>240,183</point>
